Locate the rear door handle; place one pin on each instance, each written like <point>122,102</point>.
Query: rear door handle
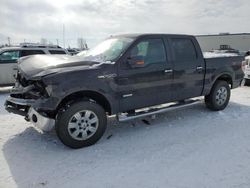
<point>168,71</point>
<point>199,68</point>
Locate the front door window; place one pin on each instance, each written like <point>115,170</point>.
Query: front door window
<point>152,51</point>
<point>9,56</point>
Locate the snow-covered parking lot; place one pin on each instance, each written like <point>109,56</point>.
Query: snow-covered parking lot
<point>191,147</point>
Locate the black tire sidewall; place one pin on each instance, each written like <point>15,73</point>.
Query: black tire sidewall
<point>247,82</point>
<point>212,104</point>
<point>64,117</point>
<point>243,83</point>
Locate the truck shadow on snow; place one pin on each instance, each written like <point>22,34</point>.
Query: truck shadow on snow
<point>36,159</point>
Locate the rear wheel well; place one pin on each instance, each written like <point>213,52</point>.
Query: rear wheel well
<point>88,95</point>
<point>227,78</point>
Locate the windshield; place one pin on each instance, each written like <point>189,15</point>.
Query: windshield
<point>108,50</point>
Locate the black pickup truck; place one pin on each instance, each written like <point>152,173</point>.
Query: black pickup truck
<point>130,75</point>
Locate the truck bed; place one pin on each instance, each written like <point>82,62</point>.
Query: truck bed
<point>231,65</point>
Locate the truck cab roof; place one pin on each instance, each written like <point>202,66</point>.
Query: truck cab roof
<point>138,35</point>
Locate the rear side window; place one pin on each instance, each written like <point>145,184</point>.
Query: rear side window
<point>31,52</point>
<point>57,52</point>
<point>9,56</point>
<point>152,51</point>
<point>183,49</point>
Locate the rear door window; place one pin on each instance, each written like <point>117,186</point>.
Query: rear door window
<point>57,52</point>
<point>9,56</point>
<point>31,52</point>
<point>183,49</point>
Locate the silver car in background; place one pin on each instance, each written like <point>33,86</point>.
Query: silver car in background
<point>10,55</point>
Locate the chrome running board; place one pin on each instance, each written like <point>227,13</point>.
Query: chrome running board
<point>156,110</point>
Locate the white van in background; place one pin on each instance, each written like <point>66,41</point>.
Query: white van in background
<point>247,71</point>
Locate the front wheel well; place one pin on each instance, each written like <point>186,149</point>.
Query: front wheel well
<point>88,95</point>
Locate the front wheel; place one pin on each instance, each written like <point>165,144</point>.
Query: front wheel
<point>81,124</point>
<point>219,96</point>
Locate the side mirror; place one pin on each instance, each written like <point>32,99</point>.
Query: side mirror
<point>136,61</point>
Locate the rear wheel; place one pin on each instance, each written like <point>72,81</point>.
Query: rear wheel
<point>81,124</point>
<point>219,96</point>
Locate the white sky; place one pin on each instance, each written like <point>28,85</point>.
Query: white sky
<point>95,20</point>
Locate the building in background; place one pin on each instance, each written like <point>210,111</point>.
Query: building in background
<point>43,41</point>
<point>237,41</point>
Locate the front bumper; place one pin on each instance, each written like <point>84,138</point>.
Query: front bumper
<point>24,107</point>
<point>44,123</point>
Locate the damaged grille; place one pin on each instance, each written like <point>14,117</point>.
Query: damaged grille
<point>28,89</point>
<point>21,80</point>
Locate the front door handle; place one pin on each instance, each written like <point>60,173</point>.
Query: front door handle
<point>168,71</point>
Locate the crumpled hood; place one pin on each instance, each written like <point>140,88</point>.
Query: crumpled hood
<point>45,64</point>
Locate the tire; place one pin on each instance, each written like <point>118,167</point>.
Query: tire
<point>82,124</point>
<point>243,83</point>
<point>219,96</point>
<point>247,82</point>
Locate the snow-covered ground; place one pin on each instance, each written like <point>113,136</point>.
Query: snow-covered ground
<point>214,54</point>
<point>186,148</point>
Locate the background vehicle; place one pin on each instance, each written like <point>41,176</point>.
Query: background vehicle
<point>247,53</point>
<point>73,51</point>
<point>247,71</point>
<point>123,75</point>
<point>226,49</point>
<point>10,55</point>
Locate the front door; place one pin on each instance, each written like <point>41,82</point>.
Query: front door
<point>8,65</point>
<point>149,83</point>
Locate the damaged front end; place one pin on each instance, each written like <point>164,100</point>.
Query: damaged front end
<point>30,99</point>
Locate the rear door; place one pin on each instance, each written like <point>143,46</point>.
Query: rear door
<point>147,85</point>
<point>8,62</point>
<point>188,68</point>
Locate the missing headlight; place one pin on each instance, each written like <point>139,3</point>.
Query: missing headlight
<point>37,91</point>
